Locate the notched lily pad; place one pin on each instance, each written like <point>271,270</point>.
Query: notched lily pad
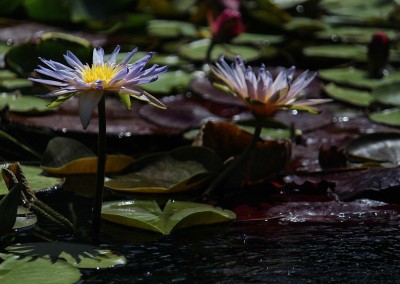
<point>356,77</point>
<point>182,113</point>
<point>170,29</point>
<point>37,180</point>
<point>388,94</point>
<point>197,50</point>
<point>25,219</point>
<point>378,147</point>
<point>389,117</point>
<point>23,103</point>
<point>23,58</point>
<point>349,95</point>
<point>77,255</point>
<point>167,83</point>
<point>66,156</point>
<point>182,169</point>
<point>16,269</point>
<point>147,215</point>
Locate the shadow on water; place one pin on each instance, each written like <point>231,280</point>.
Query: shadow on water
<point>354,249</point>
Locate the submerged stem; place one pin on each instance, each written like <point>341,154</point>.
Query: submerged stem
<point>237,161</point>
<point>101,165</point>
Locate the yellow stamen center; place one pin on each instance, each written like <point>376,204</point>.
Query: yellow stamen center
<point>100,72</point>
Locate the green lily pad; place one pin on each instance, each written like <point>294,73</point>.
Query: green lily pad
<point>356,78</point>
<point>378,147</point>
<point>348,95</point>
<point>23,103</point>
<point>305,25</point>
<point>388,94</point>
<point>172,81</point>
<point>182,169</point>
<point>76,158</point>
<point>36,180</point>
<point>24,58</point>
<point>15,269</point>
<point>147,215</point>
<point>78,255</point>
<point>264,39</point>
<point>372,10</point>
<point>197,50</point>
<point>349,52</point>
<point>170,29</point>
<point>25,219</point>
<point>388,117</point>
<point>354,34</point>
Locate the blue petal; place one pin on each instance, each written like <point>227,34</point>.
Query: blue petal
<point>129,57</point>
<point>73,60</point>
<point>113,56</point>
<point>87,103</point>
<point>98,56</point>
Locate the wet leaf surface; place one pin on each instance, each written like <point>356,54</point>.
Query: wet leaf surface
<point>175,215</point>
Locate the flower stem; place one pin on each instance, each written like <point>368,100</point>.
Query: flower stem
<point>240,159</point>
<point>101,165</point>
<point>209,50</point>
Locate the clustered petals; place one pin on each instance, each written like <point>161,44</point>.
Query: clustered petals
<point>90,83</point>
<point>263,94</point>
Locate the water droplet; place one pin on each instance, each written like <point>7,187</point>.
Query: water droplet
<point>10,41</point>
<point>300,9</point>
<point>334,38</point>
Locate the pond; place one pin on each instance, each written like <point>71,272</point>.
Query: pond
<point>200,141</point>
<point>354,250</point>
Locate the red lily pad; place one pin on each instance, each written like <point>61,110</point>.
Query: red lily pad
<point>182,113</point>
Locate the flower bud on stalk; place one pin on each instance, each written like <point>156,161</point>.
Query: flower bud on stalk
<point>378,54</point>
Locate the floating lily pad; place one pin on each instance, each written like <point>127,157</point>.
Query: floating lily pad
<point>262,39</point>
<point>182,113</point>
<point>372,10</point>
<point>147,215</point>
<point>23,58</point>
<point>388,94</point>
<point>168,82</point>
<point>356,77</point>
<point>16,269</point>
<point>78,255</point>
<point>170,29</point>
<point>197,50</point>
<point>350,52</point>
<point>388,117</point>
<point>182,169</point>
<point>23,103</point>
<point>66,156</point>
<point>348,95</point>
<point>305,25</point>
<point>37,181</point>
<point>378,147</point>
<point>25,219</point>
<point>354,34</point>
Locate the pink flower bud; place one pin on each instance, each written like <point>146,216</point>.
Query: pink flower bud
<point>227,25</point>
<point>378,54</point>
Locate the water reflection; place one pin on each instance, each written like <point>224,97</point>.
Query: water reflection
<point>365,249</point>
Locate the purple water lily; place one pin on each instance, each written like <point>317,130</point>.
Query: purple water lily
<point>90,83</point>
<point>263,94</point>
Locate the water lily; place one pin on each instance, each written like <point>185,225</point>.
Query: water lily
<point>91,82</point>
<point>226,26</point>
<point>263,94</point>
<point>378,54</point>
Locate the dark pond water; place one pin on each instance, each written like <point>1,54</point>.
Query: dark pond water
<point>361,248</point>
